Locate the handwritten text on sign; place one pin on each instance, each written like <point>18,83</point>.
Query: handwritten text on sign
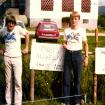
<point>100,60</point>
<point>45,56</point>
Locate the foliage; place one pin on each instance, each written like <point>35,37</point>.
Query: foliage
<point>65,19</point>
<point>101,20</point>
<point>65,22</point>
<point>87,79</point>
<point>91,42</point>
<point>26,77</point>
<point>43,83</point>
<point>39,102</point>
<point>2,80</point>
<point>101,88</point>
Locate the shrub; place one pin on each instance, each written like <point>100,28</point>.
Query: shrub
<point>65,21</point>
<point>101,20</point>
<point>2,81</point>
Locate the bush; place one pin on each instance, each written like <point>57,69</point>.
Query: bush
<point>87,79</point>
<point>101,20</point>
<point>2,81</point>
<point>65,21</point>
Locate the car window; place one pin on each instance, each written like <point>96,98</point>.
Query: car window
<point>48,27</point>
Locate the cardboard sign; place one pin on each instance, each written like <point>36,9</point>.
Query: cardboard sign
<point>100,60</point>
<point>46,56</point>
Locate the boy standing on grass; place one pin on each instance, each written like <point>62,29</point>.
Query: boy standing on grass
<point>11,35</point>
<point>73,38</point>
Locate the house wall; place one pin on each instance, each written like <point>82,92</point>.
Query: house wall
<point>27,8</point>
<point>34,13</point>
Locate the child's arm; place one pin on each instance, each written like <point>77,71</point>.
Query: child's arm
<point>1,48</point>
<point>25,50</point>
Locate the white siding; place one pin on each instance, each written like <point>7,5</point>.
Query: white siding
<point>33,11</point>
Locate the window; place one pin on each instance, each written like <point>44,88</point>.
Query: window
<point>85,21</point>
<point>47,5</point>
<point>86,5</point>
<point>67,5</point>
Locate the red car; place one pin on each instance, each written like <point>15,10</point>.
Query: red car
<point>47,30</point>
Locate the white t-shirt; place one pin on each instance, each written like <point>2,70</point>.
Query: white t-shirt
<point>74,38</point>
<point>13,41</point>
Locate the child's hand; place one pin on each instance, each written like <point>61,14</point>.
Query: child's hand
<point>85,61</point>
<point>64,46</point>
<point>1,51</point>
<point>25,51</point>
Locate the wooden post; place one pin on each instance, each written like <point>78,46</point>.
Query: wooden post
<point>32,85</point>
<point>95,75</point>
<point>96,37</point>
<point>32,82</point>
<point>95,88</point>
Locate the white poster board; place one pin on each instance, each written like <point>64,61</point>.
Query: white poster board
<point>100,60</point>
<point>46,56</point>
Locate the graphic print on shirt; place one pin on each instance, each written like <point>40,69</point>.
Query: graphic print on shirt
<point>73,37</point>
<point>9,37</point>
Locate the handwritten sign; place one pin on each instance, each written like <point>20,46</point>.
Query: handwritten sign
<point>46,56</point>
<point>100,60</point>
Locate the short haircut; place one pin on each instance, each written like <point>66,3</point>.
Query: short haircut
<point>10,18</point>
<point>74,14</point>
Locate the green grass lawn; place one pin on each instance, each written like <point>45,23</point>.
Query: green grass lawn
<point>92,43</point>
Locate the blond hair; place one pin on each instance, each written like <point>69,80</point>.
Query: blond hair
<point>74,14</point>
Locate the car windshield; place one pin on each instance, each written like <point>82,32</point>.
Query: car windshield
<point>49,27</point>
